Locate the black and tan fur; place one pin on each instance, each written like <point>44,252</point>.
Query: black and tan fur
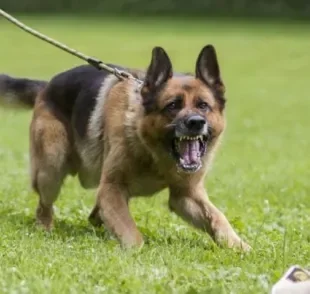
<point>128,140</point>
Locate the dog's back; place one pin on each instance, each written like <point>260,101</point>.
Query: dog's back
<point>67,85</point>
<point>15,91</point>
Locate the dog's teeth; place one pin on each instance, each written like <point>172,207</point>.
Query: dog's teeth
<point>190,138</point>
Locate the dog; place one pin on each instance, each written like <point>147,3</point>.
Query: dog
<point>128,140</point>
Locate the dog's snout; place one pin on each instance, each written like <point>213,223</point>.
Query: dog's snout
<point>195,123</point>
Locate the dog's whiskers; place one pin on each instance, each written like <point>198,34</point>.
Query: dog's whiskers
<point>170,126</point>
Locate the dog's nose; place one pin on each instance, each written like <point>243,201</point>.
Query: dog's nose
<point>195,123</point>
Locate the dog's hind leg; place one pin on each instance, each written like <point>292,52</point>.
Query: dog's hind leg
<point>49,151</point>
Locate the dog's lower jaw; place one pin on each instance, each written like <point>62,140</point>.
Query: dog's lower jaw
<point>188,152</point>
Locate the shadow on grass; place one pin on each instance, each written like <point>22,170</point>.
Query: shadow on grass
<point>170,238</point>
<point>62,228</point>
<point>81,229</point>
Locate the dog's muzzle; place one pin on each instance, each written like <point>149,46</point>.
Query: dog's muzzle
<point>190,142</point>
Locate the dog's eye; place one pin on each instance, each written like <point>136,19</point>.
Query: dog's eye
<point>203,106</point>
<point>173,105</point>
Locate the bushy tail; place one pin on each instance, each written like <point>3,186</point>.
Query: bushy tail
<point>19,91</point>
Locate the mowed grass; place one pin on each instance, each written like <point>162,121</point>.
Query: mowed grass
<point>259,179</point>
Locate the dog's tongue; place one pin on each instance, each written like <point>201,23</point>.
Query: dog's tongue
<point>189,151</point>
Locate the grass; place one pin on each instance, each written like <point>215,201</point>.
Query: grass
<point>260,177</point>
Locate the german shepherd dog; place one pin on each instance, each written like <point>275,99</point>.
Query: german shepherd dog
<point>128,140</point>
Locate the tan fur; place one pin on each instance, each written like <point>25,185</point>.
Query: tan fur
<point>50,155</point>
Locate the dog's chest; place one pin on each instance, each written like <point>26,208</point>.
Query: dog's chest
<point>145,182</point>
<point>145,186</point>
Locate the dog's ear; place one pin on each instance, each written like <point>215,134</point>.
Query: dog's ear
<point>208,70</point>
<point>159,70</point>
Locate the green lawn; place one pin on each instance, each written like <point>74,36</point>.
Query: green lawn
<point>260,177</point>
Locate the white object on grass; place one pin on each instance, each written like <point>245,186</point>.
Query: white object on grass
<point>295,281</point>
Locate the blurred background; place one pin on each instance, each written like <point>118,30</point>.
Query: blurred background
<point>231,8</point>
<point>260,176</point>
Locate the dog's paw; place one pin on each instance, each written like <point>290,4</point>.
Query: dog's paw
<point>233,241</point>
<point>44,218</point>
<point>95,220</point>
<point>241,245</point>
<point>94,217</point>
<point>132,240</point>
<point>44,224</point>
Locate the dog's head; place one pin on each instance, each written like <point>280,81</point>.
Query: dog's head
<point>183,114</point>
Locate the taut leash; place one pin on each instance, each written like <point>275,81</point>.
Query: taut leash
<point>90,60</point>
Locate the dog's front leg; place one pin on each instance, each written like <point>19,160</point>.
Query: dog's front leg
<point>112,207</point>
<point>193,205</point>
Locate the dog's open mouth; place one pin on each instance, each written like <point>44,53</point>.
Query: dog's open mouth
<point>188,152</point>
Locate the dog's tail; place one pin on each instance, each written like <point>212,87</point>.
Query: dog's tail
<point>19,91</point>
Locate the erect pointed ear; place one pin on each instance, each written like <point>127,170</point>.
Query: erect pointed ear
<point>208,70</point>
<point>159,70</point>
